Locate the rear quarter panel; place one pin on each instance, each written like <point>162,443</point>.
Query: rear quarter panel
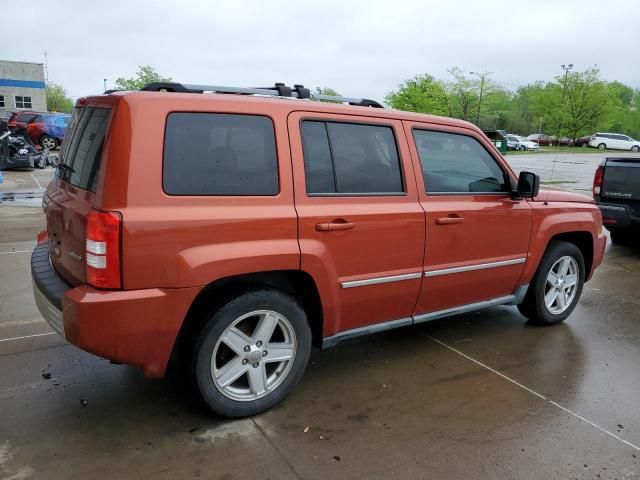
<point>173,241</point>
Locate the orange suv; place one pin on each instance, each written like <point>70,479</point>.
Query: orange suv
<point>234,228</point>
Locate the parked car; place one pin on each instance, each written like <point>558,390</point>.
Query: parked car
<point>522,143</point>
<point>512,142</point>
<point>17,151</point>
<point>616,189</point>
<point>583,141</point>
<point>4,121</point>
<point>48,129</point>
<point>542,139</point>
<point>615,141</point>
<point>565,142</point>
<point>233,232</point>
<point>20,120</point>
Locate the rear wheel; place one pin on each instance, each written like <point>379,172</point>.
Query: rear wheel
<point>48,142</point>
<point>251,353</point>
<point>635,148</point>
<point>602,146</point>
<point>557,285</point>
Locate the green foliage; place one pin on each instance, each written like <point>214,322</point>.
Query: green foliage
<point>145,74</point>
<point>326,91</point>
<point>572,105</point>
<point>57,100</point>
<point>420,94</point>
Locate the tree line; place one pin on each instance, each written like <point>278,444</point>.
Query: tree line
<point>571,105</point>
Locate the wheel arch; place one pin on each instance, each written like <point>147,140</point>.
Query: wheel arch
<point>581,239</point>
<point>297,283</point>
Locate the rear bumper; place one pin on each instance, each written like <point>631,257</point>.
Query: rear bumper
<point>136,327</point>
<point>617,216</point>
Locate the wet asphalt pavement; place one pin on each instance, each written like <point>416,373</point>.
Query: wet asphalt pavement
<point>476,396</point>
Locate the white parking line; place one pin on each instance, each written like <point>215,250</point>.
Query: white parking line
<point>15,251</point>
<point>39,186</point>
<point>542,397</point>
<point>27,336</point>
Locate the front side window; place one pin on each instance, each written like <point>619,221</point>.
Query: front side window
<point>349,158</point>
<point>219,154</point>
<point>23,102</point>
<point>457,164</point>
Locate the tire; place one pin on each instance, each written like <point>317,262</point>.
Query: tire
<point>534,306</point>
<point>602,146</point>
<point>49,142</point>
<point>229,344</point>
<point>635,148</point>
<point>620,236</point>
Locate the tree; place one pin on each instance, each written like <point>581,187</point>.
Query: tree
<point>145,75</point>
<point>326,91</point>
<point>421,94</point>
<point>57,100</point>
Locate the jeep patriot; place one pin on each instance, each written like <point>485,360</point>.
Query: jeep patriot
<point>231,229</point>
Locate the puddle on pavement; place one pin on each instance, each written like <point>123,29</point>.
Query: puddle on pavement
<point>22,198</point>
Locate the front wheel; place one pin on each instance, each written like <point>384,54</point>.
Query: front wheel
<point>557,285</point>
<point>602,146</point>
<point>251,353</point>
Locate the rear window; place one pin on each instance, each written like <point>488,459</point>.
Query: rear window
<point>82,149</point>
<point>219,154</point>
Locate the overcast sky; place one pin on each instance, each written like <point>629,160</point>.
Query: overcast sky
<point>359,48</point>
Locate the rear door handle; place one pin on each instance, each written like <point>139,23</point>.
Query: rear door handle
<point>334,225</point>
<point>449,220</point>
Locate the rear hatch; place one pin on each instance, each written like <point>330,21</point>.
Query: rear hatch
<point>71,197</point>
<point>622,179</point>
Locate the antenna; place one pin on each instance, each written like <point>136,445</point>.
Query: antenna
<point>565,69</point>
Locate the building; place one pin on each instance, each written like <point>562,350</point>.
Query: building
<point>22,86</point>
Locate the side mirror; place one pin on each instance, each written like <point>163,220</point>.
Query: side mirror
<point>528,185</point>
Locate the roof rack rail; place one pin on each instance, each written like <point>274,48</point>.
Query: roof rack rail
<point>278,90</point>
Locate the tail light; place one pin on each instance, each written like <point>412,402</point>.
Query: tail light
<point>103,249</point>
<point>597,180</point>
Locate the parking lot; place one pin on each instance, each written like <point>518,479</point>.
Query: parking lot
<point>481,395</point>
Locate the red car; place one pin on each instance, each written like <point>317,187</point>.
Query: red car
<point>21,119</point>
<point>233,232</point>
<point>48,129</point>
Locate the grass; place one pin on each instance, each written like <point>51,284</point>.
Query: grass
<point>560,150</point>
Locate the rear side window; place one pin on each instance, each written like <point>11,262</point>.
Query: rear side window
<point>349,158</point>
<point>219,154</point>
<point>82,149</point>
<point>453,163</point>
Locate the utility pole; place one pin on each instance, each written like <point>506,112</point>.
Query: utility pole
<point>482,76</point>
<point>566,69</point>
<point>46,68</point>
<point>105,84</point>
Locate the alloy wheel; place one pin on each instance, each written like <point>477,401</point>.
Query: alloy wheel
<point>561,286</point>
<point>253,355</point>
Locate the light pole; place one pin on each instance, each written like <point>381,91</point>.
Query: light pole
<point>105,84</point>
<point>566,69</point>
<point>482,76</point>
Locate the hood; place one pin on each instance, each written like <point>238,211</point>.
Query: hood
<point>562,196</point>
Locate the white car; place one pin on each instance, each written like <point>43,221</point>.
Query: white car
<point>522,143</point>
<point>615,141</point>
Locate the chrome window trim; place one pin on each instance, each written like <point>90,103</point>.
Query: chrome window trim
<point>378,280</point>
<point>470,268</point>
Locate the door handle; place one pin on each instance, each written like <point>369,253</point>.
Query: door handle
<point>334,225</point>
<point>449,220</point>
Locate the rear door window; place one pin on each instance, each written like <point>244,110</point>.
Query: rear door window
<point>219,154</point>
<point>350,158</point>
<point>82,149</point>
